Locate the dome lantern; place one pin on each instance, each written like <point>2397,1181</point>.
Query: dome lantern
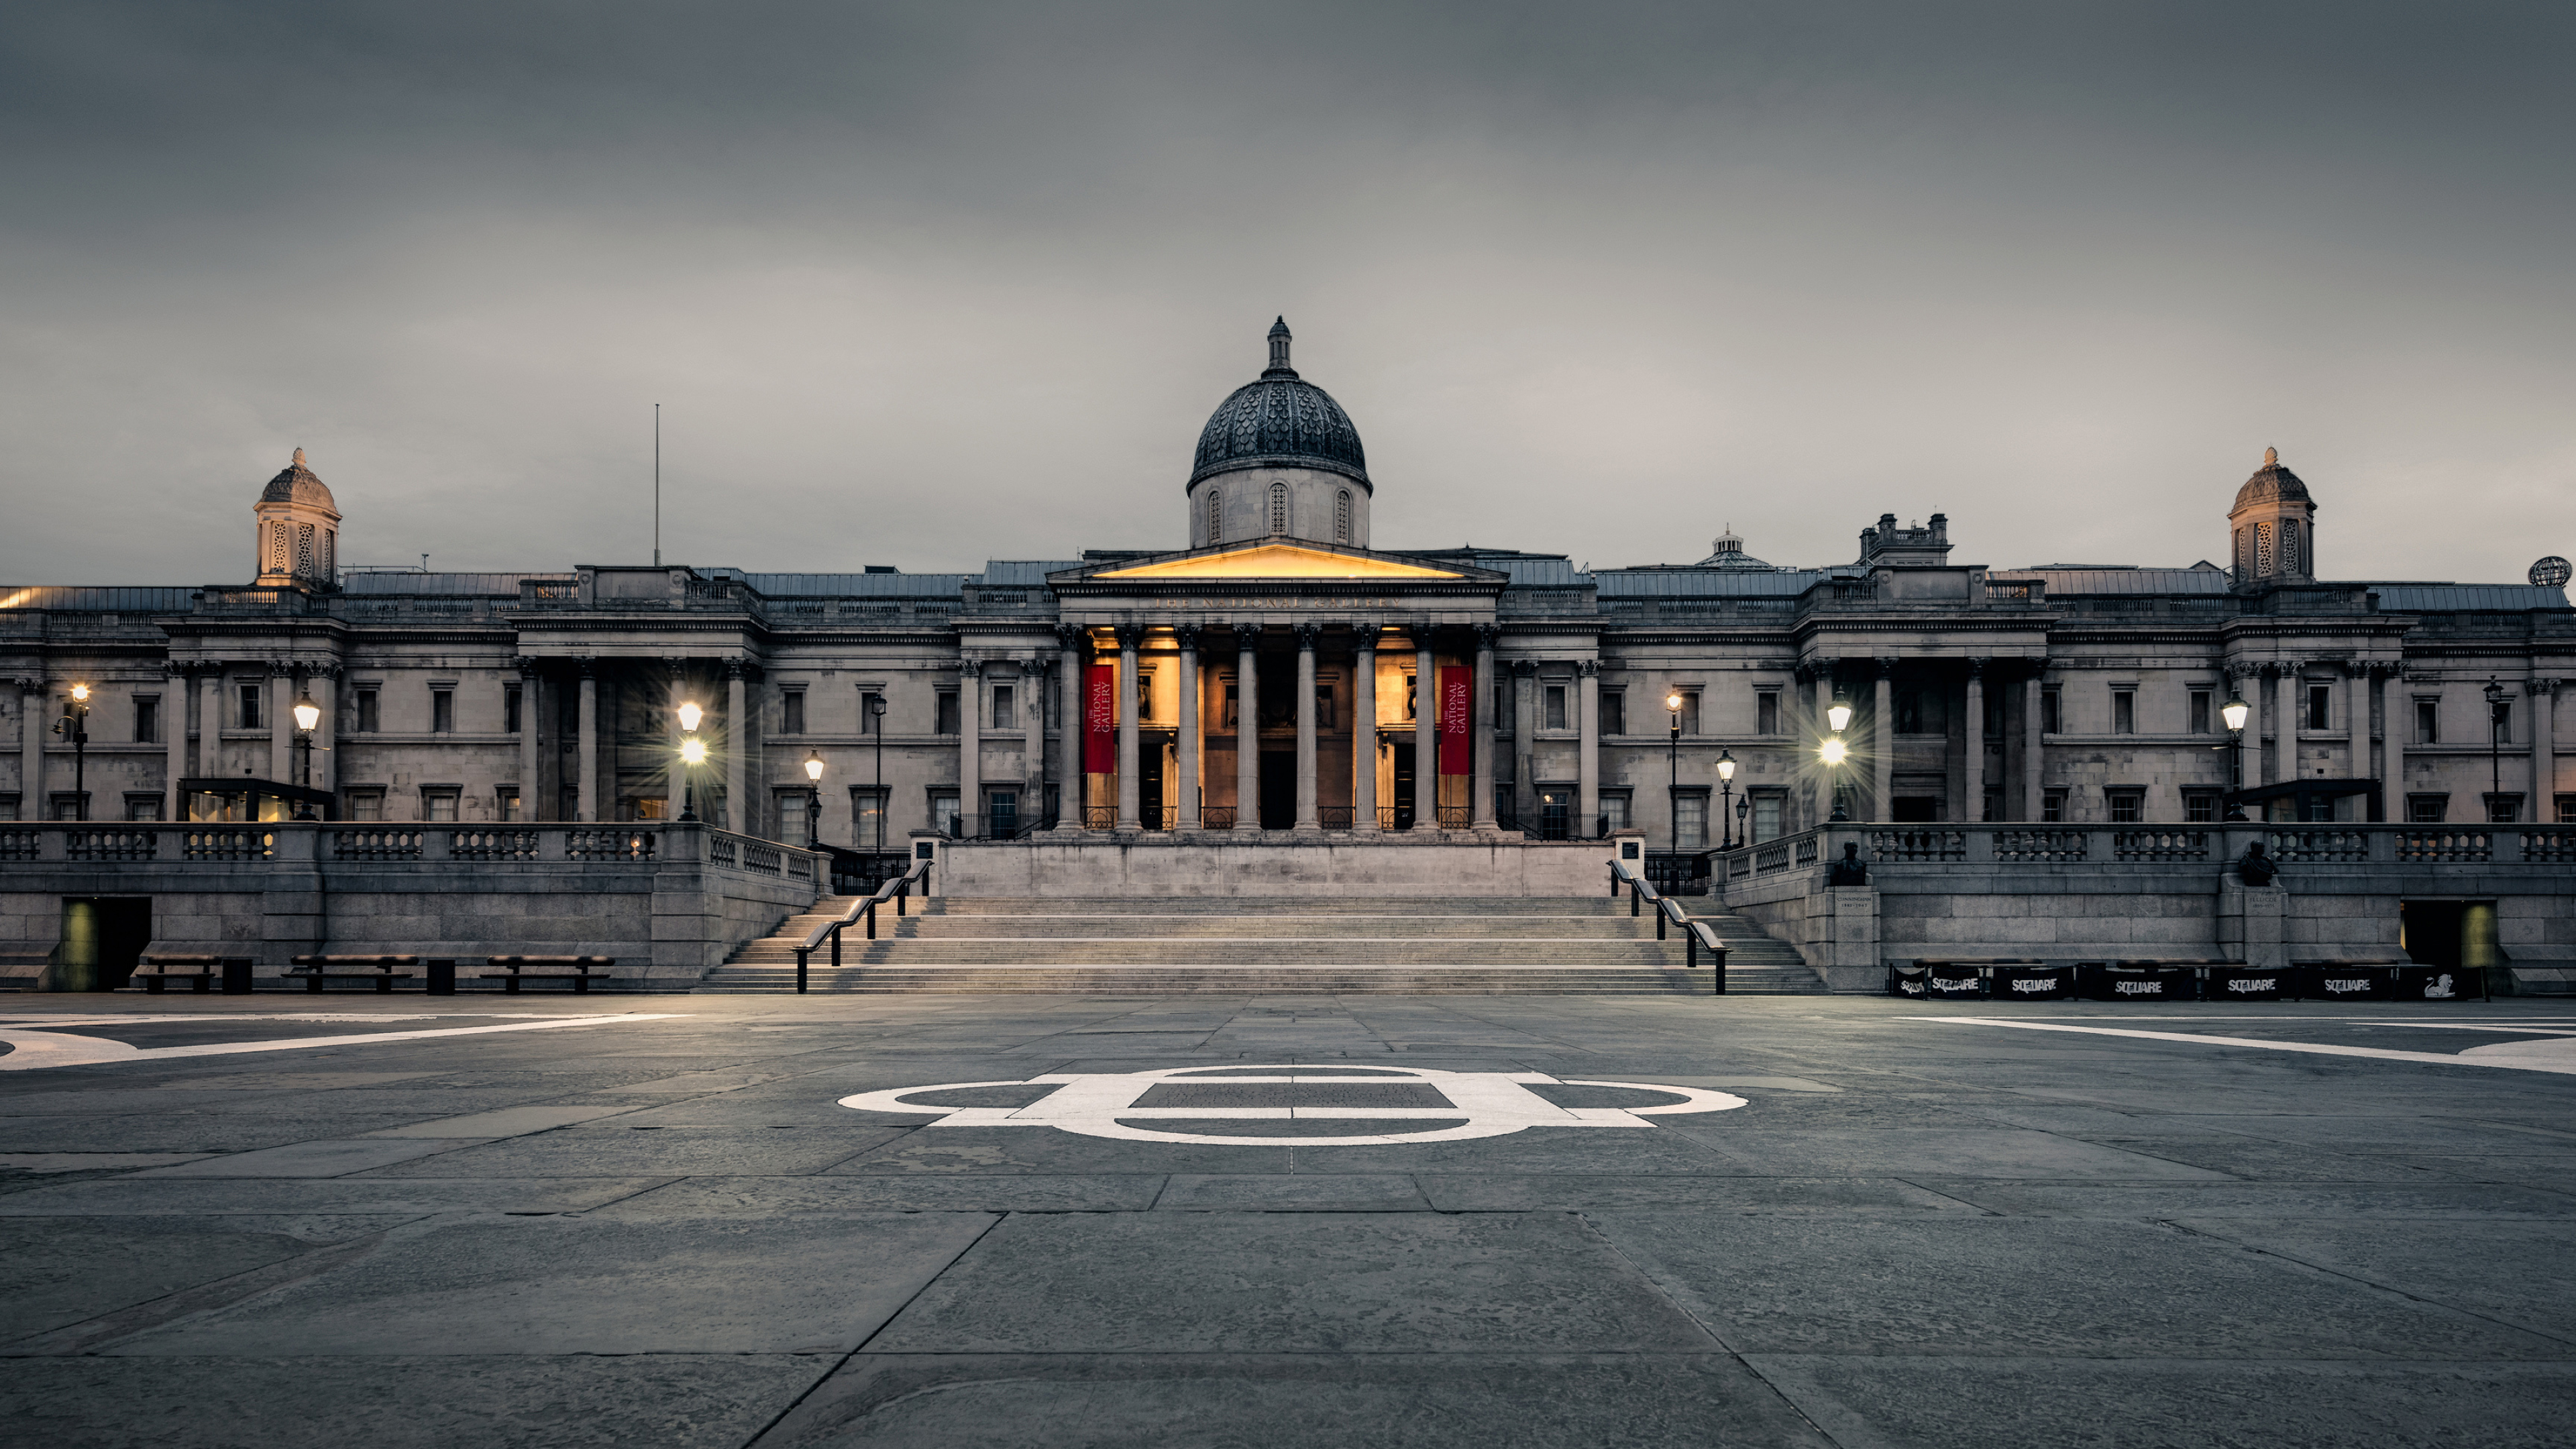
<point>2272,528</point>
<point>1279,459</point>
<point>299,530</point>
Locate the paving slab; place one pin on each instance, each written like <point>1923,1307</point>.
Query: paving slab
<point>1291,1282</point>
<point>2414,1199</point>
<point>1572,1192</point>
<point>886,1192</point>
<point>614,1149</point>
<point>137,1195</point>
<point>1304,1192</point>
<point>1256,1401</point>
<point>1956,1152</point>
<point>2516,1271</point>
<point>55,1272</point>
<point>321,1158</point>
<point>424,1401</point>
<point>563,1285</point>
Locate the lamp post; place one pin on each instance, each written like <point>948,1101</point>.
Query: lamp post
<point>2234,713</point>
<point>1726,802</point>
<point>814,798</point>
<point>74,726</point>
<point>308,717</point>
<point>1743,826</point>
<point>1833,751</point>
<point>2495,746</point>
<point>1673,787</point>
<point>876,725</point>
<point>693,752</point>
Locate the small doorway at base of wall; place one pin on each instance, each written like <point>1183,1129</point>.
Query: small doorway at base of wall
<point>2454,935</point>
<point>102,941</point>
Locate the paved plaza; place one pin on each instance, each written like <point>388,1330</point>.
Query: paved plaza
<point>1284,1221</point>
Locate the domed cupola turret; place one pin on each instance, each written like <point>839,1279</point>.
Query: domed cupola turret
<point>2273,527</point>
<point>299,530</point>
<point>1279,459</point>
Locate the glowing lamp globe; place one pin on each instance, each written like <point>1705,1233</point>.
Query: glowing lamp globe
<point>690,714</point>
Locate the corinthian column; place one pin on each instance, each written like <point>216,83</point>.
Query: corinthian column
<point>1480,782</point>
<point>586,753</point>
<point>1073,728</point>
<point>1130,780</point>
<point>2544,750</point>
<point>1364,728</point>
<point>1426,733</point>
<point>1189,743</point>
<point>1975,806</point>
<point>970,748</point>
<point>1247,727</point>
<point>1883,737</point>
<point>1587,769</point>
<point>1309,815</point>
<point>738,736</point>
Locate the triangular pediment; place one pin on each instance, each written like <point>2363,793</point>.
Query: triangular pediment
<point>1279,561</point>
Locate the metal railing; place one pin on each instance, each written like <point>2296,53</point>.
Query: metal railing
<point>899,890</point>
<point>1697,935</point>
<point>1336,817</point>
<point>1216,817</point>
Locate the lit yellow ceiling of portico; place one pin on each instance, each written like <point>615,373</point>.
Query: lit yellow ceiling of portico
<point>1278,561</point>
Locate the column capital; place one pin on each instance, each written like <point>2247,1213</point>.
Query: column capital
<point>737,668</point>
<point>2239,670</point>
<point>1524,668</point>
<point>970,668</point>
<point>1487,635</point>
<point>1071,636</point>
<point>1364,634</point>
<point>676,665</point>
<point>1187,637</point>
<point>322,669</point>
<point>2543,686</point>
<point>1587,668</point>
<point>2357,667</point>
<point>1977,669</point>
<point>2290,667</point>
<point>526,665</point>
<point>1247,637</point>
<point>1886,665</point>
<point>1307,635</point>
<point>1130,636</point>
<point>585,666</point>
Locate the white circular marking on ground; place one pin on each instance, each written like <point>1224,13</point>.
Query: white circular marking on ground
<point>1104,1104</point>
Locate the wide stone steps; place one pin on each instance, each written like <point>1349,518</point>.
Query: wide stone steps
<point>1583,945</point>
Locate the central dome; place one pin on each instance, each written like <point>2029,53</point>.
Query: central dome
<point>1280,420</point>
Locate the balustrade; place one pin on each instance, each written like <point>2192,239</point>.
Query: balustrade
<point>1918,845</point>
<point>2160,845</point>
<point>493,844</point>
<point>392,842</point>
<point>2039,845</point>
<point>110,844</point>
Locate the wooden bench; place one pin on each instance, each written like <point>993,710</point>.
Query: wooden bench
<point>579,970</point>
<point>314,970</point>
<point>198,971</point>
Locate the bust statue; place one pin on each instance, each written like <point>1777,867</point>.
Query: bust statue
<point>1847,871</point>
<point>2255,868</point>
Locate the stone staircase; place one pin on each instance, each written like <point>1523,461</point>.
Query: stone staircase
<point>1582,946</point>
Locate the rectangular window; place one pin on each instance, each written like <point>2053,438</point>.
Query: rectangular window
<point>8,807</point>
<point>2124,712</point>
<point>142,807</point>
<point>1994,805</point>
<point>947,723</point>
<point>1234,708</point>
<point>1766,816</point>
<point>943,813</point>
<point>1909,711</point>
<point>2503,809</point>
<point>2320,707</point>
<point>2200,711</point>
<point>366,804</point>
<point>791,818</point>
<point>1005,713</point>
<point>2051,722</point>
<point>1553,708</point>
<point>871,711</point>
<point>1002,811</point>
<point>1690,712</point>
<point>1614,711</point>
<point>867,818</point>
<point>2427,809</point>
<point>438,806</point>
<point>1502,709</point>
<point>506,801</point>
<point>791,712</point>
<point>1690,820</point>
<point>2200,807</point>
<point>2500,723</point>
<point>2128,807</point>
<point>248,718</point>
<point>2567,809</point>
<point>1324,708</point>
<point>510,700</point>
<point>442,711</point>
<point>2428,720</point>
<point>650,807</point>
<point>1766,712</point>
<point>368,720</point>
<point>569,803</point>
<point>1994,697</point>
<point>1614,810</point>
<point>2052,807</point>
<point>67,806</point>
<point>147,722</point>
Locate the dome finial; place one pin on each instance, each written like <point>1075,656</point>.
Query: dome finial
<point>299,457</point>
<point>1279,350</point>
<point>2271,457</point>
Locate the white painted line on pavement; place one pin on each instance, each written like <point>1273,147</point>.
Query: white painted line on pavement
<point>35,1050</point>
<point>2548,1054</point>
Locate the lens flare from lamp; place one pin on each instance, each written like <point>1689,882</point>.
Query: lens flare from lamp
<point>81,693</point>
<point>690,714</point>
<point>693,750</point>
<point>1838,714</point>
<point>1832,751</point>
<point>1673,702</point>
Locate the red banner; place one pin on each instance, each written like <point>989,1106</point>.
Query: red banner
<point>1100,721</point>
<point>1457,719</point>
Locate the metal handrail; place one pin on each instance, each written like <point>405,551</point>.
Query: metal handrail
<point>899,888</point>
<point>1697,935</point>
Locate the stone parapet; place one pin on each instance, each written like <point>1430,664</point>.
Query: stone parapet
<point>1273,863</point>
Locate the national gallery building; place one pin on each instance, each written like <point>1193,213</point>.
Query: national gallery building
<point>1275,669</point>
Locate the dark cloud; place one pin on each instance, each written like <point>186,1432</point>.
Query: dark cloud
<point>926,284</point>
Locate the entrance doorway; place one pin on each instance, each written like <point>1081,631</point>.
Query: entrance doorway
<point>2452,935</point>
<point>102,941</point>
<point>1555,814</point>
<point>1149,784</point>
<point>1278,789</point>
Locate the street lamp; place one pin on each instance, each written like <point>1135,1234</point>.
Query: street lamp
<point>1839,713</point>
<point>814,798</point>
<point>1726,802</point>
<point>74,726</point>
<point>2234,712</point>
<point>308,716</point>
<point>2495,746</point>
<point>1833,752</point>
<point>1673,790</point>
<point>876,726</point>
<point>1744,827</point>
<point>693,752</point>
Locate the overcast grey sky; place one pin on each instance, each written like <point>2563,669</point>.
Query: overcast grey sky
<point>926,284</point>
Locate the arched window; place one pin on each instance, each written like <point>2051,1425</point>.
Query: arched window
<point>1342,517</point>
<point>1278,508</point>
<point>1215,532</point>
